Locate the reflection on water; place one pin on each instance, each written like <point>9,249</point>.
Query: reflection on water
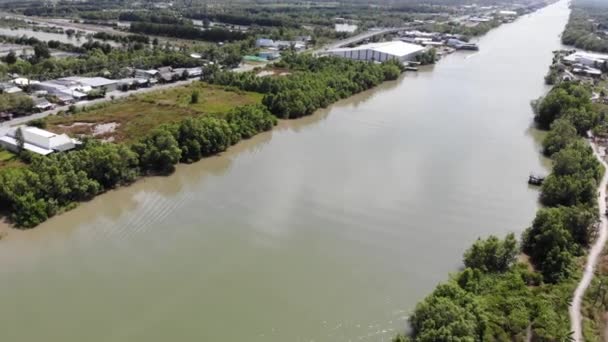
<point>328,228</point>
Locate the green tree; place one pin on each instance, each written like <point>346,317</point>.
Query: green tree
<point>41,51</point>
<point>552,242</point>
<point>20,140</point>
<point>565,97</point>
<point>159,151</point>
<point>561,134</point>
<point>194,97</point>
<point>448,314</point>
<point>11,57</point>
<point>492,254</point>
<point>582,118</point>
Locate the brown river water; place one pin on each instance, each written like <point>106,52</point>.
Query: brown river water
<point>329,228</point>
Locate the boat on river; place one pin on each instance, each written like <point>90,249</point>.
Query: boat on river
<point>535,180</point>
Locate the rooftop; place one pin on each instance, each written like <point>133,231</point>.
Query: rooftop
<point>38,140</point>
<point>91,81</point>
<point>396,48</point>
<point>27,146</point>
<point>40,132</point>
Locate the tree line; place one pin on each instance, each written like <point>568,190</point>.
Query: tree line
<point>54,183</point>
<point>187,32</point>
<point>244,19</point>
<point>587,26</point>
<point>162,18</point>
<point>131,38</point>
<point>313,83</point>
<point>95,62</point>
<point>498,298</point>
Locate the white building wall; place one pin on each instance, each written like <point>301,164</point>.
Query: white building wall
<point>371,55</point>
<point>36,139</point>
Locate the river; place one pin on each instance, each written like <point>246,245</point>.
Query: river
<point>329,228</point>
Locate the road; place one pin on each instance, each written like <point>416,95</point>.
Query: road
<point>594,253</point>
<point>117,94</point>
<point>359,37</point>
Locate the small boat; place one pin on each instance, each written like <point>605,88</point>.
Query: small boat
<point>410,68</point>
<point>469,46</point>
<point>535,180</point>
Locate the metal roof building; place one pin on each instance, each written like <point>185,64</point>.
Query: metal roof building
<point>379,52</point>
<point>93,82</point>
<point>37,140</point>
<point>586,58</point>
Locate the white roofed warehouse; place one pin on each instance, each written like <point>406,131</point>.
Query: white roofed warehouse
<point>379,52</point>
<point>37,140</point>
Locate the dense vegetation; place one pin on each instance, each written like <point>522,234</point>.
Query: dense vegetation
<point>96,61</point>
<point>187,32</point>
<point>17,104</point>
<point>131,38</point>
<point>313,83</point>
<point>427,57</point>
<point>497,298</point>
<point>246,19</point>
<point>570,101</point>
<point>157,18</point>
<point>588,26</point>
<point>48,185</point>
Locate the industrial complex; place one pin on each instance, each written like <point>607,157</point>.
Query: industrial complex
<point>379,52</point>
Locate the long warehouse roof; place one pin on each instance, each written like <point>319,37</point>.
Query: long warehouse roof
<point>396,48</point>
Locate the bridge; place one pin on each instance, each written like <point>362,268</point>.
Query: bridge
<point>360,37</point>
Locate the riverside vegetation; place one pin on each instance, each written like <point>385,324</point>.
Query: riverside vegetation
<point>588,26</point>
<point>497,297</point>
<point>51,184</point>
<point>314,82</point>
<point>48,185</point>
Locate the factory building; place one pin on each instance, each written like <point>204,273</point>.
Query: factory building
<point>379,52</point>
<point>37,140</point>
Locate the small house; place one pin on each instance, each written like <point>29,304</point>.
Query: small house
<point>264,43</point>
<point>96,83</point>
<point>195,72</point>
<point>9,88</point>
<point>42,104</point>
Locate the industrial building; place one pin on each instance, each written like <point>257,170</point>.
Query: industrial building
<point>94,82</point>
<point>379,52</point>
<point>37,141</point>
<point>586,58</point>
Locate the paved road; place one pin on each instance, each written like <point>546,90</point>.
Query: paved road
<point>4,126</point>
<point>594,253</point>
<point>359,37</point>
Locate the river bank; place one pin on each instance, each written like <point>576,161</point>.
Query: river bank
<point>314,231</point>
<point>213,164</point>
<point>570,228</point>
<point>152,134</point>
<point>594,253</point>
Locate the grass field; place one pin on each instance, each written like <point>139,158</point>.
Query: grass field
<point>8,159</point>
<point>135,116</point>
